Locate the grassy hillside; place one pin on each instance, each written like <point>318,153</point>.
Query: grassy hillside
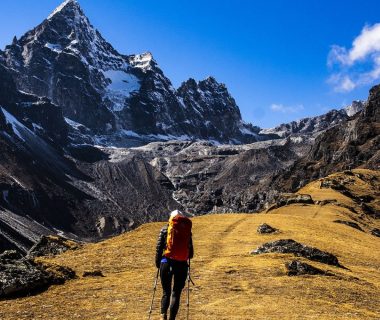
<point>230,282</point>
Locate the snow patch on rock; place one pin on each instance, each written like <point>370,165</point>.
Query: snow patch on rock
<point>54,47</point>
<point>121,85</point>
<point>17,126</point>
<point>247,131</point>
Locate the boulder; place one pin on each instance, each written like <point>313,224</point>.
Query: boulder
<point>265,229</point>
<point>298,268</point>
<point>299,250</point>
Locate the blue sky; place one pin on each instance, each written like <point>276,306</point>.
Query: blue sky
<point>281,60</point>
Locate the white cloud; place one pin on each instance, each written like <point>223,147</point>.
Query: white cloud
<point>358,65</point>
<point>366,43</point>
<point>337,55</point>
<point>286,109</point>
<point>341,82</point>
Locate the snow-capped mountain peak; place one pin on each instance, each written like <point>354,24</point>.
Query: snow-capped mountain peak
<point>64,6</point>
<point>67,60</point>
<point>79,37</point>
<point>144,61</point>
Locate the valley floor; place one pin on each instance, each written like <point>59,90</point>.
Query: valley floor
<point>230,282</point>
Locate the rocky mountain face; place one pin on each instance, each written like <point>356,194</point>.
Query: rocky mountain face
<point>38,114</point>
<point>315,125</point>
<point>226,178</point>
<point>80,195</point>
<point>209,100</point>
<point>48,186</point>
<point>119,98</point>
<point>248,178</point>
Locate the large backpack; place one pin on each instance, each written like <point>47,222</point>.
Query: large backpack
<point>178,240</point>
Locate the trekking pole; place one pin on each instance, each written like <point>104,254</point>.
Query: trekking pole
<point>154,292</point>
<point>188,290</point>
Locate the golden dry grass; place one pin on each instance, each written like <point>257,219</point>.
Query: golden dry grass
<point>230,283</point>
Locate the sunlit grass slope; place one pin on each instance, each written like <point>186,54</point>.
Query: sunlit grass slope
<point>231,283</point>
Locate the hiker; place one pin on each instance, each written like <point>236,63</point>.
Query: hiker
<point>174,249</point>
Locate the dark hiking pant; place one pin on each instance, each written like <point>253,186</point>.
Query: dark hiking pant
<point>168,271</point>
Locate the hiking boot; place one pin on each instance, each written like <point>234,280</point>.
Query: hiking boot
<point>164,316</point>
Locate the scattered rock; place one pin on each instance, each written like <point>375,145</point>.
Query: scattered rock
<point>21,276</point>
<point>287,199</point>
<point>376,232</point>
<point>95,273</point>
<point>265,229</point>
<point>299,250</point>
<point>327,201</point>
<point>350,224</point>
<point>298,268</point>
<point>51,246</point>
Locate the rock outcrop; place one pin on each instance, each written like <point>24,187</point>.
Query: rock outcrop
<point>288,199</point>
<point>299,250</point>
<point>20,276</point>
